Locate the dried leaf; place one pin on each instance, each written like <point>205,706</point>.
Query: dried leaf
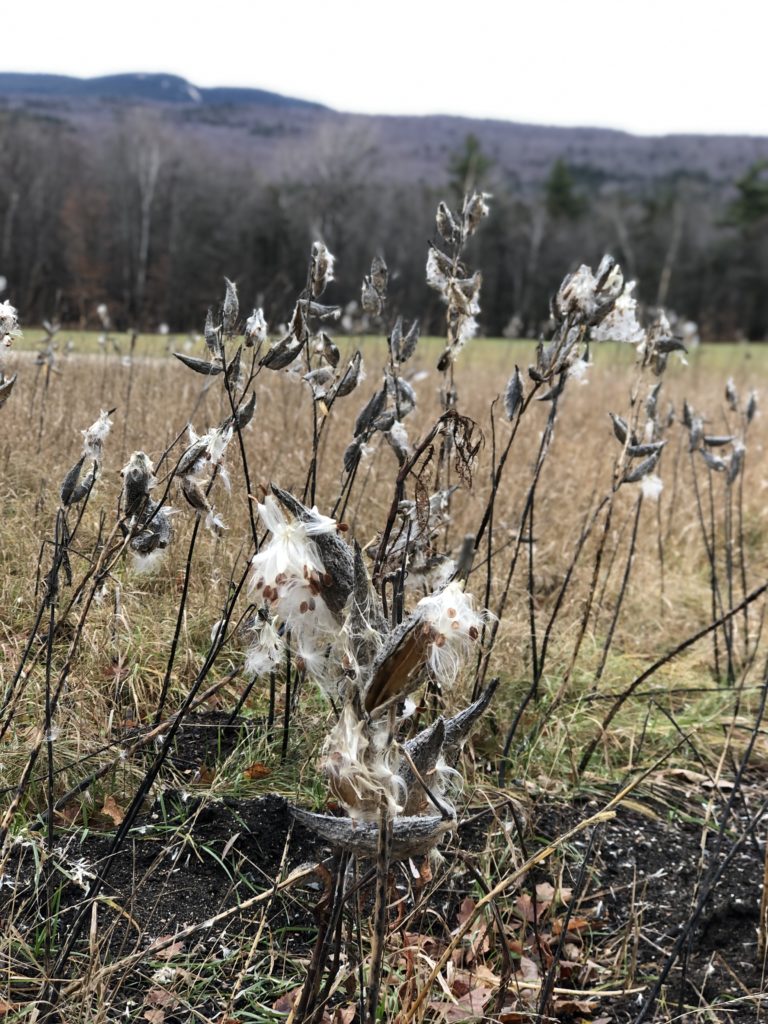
<point>284,1003</point>
<point>113,810</point>
<point>257,770</point>
<point>575,924</point>
<point>156,1016</point>
<point>465,911</point>
<point>161,997</point>
<point>170,951</point>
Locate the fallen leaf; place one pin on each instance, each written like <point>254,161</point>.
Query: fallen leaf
<point>575,924</point>
<point>113,810</point>
<point>161,997</point>
<point>257,770</point>
<point>344,1014</point>
<point>524,906</point>
<point>574,1006</point>
<point>284,1003</point>
<point>528,969</point>
<point>545,892</point>
<point>171,951</point>
<point>154,1016</point>
<point>468,1007</point>
<point>465,911</point>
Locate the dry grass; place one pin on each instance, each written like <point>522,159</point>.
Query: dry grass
<point>115,678</point>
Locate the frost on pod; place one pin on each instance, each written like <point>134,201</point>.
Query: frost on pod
<point>455,625</point>
<point>288,574</point>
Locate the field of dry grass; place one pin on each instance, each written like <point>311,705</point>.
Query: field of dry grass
<point>558,931</point>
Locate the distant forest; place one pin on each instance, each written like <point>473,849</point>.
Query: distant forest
<point>147,210</point>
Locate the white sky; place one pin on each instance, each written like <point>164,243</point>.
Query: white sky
<point>649,66</point>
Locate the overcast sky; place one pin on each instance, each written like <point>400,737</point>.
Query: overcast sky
<point>650,67</point>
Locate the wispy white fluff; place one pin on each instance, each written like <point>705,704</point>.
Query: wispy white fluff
<point>652,486</point>
<point>95,435</point>
<point>621,324</point>
<point>455,625</point>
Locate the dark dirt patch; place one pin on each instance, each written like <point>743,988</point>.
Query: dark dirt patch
<point>189,858</point>
<point>648,873</point>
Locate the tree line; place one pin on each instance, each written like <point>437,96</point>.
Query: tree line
<point>136,216</point>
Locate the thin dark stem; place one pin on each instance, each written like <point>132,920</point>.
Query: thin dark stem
<point>622,590</point>
<point>179,620</point>
<point>659,663</point>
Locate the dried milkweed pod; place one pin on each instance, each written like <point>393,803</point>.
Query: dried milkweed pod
<point>446,224</point>
<point>6,387</point>
<point>751,409</point>
<point>652,401</point>
<point>718,440</point>
<point>373,408</point>
<point>714,462</point>
<point>211,334</point>
<point>513,395</point>
<point>328,350</point>
<point>353,374</point>
<point>409,342</point>
<point>379,275</point>
<point>370,298</point>
<point>635,451</point>
<point>321,270</point>
<point>200,365</point>
<point>282,353</point>
<point>736,462</point>
<point>410,835</point>
<point>320,380</point>
<point>231,307</point>
<point>255,329</point>
<point>620,428</point>
<point>636,473</point>
<point>475,209</point>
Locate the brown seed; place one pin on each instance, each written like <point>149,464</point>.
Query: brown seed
<point>304,607</point>
<point>473,632</point>
<point>439,640</point>
<point>451,613</point>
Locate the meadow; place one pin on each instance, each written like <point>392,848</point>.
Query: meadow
<point>170,692</point>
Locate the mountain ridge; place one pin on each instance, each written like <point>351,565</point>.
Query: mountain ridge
<point>277,132</point>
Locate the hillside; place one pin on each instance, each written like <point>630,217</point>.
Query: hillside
<point>275,128</point>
